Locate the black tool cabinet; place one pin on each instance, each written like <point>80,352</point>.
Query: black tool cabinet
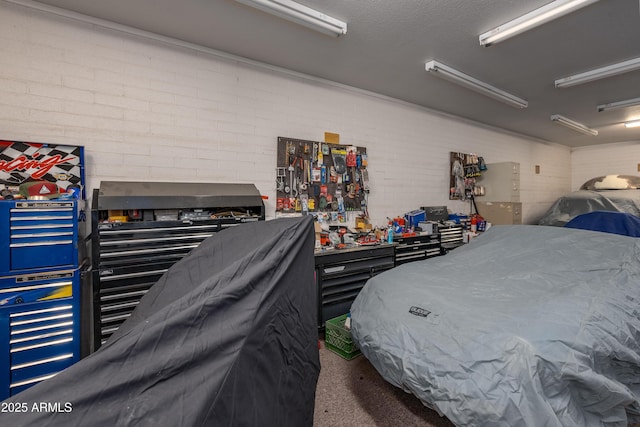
<point>450,236</point>
<point>341,274</point>
<point>414,248</point>
<point>165,221</point>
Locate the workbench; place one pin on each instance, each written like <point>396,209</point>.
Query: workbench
<point>340,274</point>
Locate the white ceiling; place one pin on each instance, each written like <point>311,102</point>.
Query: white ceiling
<point>388,42</point>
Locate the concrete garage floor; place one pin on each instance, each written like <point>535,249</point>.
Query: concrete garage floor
<point>352,393</point>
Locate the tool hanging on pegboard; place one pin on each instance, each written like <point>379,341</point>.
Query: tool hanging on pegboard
<point>319,177</point>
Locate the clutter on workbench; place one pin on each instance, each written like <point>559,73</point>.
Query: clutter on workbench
<point>452,229</point>
<point>414,217</point>
<point>330,236</point>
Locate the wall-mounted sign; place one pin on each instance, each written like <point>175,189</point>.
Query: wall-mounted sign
<point>25,162</point>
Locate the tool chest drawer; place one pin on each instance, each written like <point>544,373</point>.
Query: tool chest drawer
<point>39,328</point>
<point>129,259</point>
<point>135,243</point>
<point>341,274</point>
<point>38,235</point>
<point>450,236</point>
<point>120,291</point>
<point>418,247</point>
<point>367,264</point>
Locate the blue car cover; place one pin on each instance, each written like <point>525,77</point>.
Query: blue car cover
<point>608,222</point>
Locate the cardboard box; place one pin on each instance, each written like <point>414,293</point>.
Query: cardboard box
<point>428,227</point>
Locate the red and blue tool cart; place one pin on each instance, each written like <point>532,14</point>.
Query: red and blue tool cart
<point>41,213</point>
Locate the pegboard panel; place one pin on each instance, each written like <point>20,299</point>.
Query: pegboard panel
<point>465,168</point>
<point>314,176</point>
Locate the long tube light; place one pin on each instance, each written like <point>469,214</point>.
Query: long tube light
<point>633,124</point>
<point>455,76</point>
<point>579,127</point>
<point>537,17</point>
<point>300,14</point>
<point>619,104</point>
<point>599,73</point>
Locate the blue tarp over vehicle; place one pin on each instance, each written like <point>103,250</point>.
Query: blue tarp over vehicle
<point>608,222</point>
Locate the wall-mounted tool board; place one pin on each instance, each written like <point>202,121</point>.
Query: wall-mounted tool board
<point>464,169</point>
<point>314,176</point>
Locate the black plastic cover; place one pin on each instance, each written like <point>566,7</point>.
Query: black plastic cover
<point>227,337</point>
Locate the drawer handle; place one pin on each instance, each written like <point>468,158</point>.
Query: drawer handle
<point>41,328</point>
<point>60,209</point>
<point>34,287</point>
<point>151,240</point>
<point>34,380</point>
<point>106,278</point>
<point>115,318</point>
<point>334,269</point>
<point>147,251</point>
<point>41,319</point>
<point>39,362</point>
<point>41,336</point>
<point>41,226</point>
<point>118,307</point>
<point>38,235</point>
<point>156,230</point>
<point>42,218</point>
<point>31,245</point>
<point>44,344</point>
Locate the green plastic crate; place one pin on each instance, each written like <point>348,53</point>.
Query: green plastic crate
<point>338,339</point>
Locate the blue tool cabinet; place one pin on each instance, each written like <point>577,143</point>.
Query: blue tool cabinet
<point>39,235</point>
<point>39,291</point>
<point>41,262</point>
<point>40,324</point>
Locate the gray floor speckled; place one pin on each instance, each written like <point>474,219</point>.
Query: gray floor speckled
<point>352,393</point>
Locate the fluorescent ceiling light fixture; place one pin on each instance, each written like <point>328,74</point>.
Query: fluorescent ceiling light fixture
<point>455,76</point>
<point>619,104</point>
<point>579,127</point>
<point>633,124</point>
<point>540,16</point>
<point>600,73</point>
<point>300,14</point>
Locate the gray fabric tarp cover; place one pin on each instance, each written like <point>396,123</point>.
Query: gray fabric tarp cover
<point>524,326</point>
<point>578,202</point>
<point>227,337</point>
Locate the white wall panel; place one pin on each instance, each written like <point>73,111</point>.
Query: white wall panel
<point>606,159</point>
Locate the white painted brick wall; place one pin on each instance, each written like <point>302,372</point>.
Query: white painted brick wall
<point>606,159</point>
<point>145,110</point>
